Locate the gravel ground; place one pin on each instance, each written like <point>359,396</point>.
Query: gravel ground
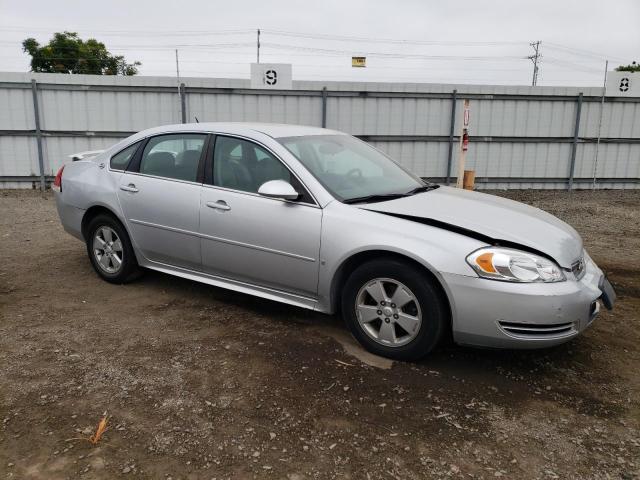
<point>202,383</point>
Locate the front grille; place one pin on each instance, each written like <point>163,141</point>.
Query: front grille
<point>578,268</point>
<point>532,330</point>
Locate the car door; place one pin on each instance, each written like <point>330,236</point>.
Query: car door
<point>263,241</point>
<point>160,197</point>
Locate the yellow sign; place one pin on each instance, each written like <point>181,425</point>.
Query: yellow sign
<point>358,61</point>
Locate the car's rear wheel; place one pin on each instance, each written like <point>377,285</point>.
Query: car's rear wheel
<point>110,250</point>
<point>394,309</point>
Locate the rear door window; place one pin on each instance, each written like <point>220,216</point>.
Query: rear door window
<point>175,156</point>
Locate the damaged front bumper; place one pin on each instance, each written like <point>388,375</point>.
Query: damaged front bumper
<point>498,314</point>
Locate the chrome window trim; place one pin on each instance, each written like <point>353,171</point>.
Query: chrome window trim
<point>169,179</point>
<point>316,204</point>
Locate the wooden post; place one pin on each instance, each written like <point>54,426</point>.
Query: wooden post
<point>469,179</point>
<point>464,145</point>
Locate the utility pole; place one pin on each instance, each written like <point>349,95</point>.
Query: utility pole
<point>604,93</point>
<point>180,94</point>
<point>258,48</point>
<point>534,58</point>
<point>177,68</point>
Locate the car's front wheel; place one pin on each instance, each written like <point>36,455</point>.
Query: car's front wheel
<point>394,309</point>
<point>110,250</point>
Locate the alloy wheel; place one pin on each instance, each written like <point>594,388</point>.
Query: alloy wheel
<point>388,312</point>
<point>107,249</point>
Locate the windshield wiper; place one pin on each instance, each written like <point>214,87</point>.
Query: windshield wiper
<point>423,188</point>
<point>374,198</point>
<point>390,196</point>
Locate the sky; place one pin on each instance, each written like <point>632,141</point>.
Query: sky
<point>466,41</point>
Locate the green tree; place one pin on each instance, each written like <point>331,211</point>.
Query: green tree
<point>68,53</point>
<point>633,67</point>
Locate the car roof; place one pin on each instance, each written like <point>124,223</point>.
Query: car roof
<point>275,130</point>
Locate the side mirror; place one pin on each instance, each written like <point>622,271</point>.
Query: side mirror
<point>278,189</point>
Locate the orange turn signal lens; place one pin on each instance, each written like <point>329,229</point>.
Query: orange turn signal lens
<point>485,262</point>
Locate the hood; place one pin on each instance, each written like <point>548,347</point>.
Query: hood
<point>495,219</point>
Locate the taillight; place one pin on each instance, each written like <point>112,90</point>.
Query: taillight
<point>57,182</point>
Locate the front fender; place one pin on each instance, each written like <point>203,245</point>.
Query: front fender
<point>349,231</point>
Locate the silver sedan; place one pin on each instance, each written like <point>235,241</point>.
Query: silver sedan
<point>319,219</point>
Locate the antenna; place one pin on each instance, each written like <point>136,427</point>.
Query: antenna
<point>197,121</point>
<point>534,58</point>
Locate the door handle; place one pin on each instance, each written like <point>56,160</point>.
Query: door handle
<point>129,188</point>
<point>219,205</point>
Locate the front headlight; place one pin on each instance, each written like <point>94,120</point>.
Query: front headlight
<point>512,265</point>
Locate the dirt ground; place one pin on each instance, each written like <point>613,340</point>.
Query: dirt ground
<point>202,383</point>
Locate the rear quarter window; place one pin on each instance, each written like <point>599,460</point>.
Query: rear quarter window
<point>120,160</point>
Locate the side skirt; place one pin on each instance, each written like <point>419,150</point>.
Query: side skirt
<point>237,286</point>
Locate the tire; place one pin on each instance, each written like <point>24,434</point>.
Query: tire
<point>114,262</point>
<point>405,331</point>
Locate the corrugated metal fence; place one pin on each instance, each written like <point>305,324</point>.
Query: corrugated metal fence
<point>521,137</point>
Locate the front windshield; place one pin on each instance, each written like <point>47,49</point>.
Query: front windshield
<point>349,168</point>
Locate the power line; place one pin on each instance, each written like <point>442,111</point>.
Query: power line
<point>571,65</point>
<point>278,46</point>
<point>394,55</point>
<point>573,50</point>
<point>305,65</point>
<point>136,33</point>
<point>389,40</point>
<point>313,36</point>
<point>171,46</point>
<point>582,52</point>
